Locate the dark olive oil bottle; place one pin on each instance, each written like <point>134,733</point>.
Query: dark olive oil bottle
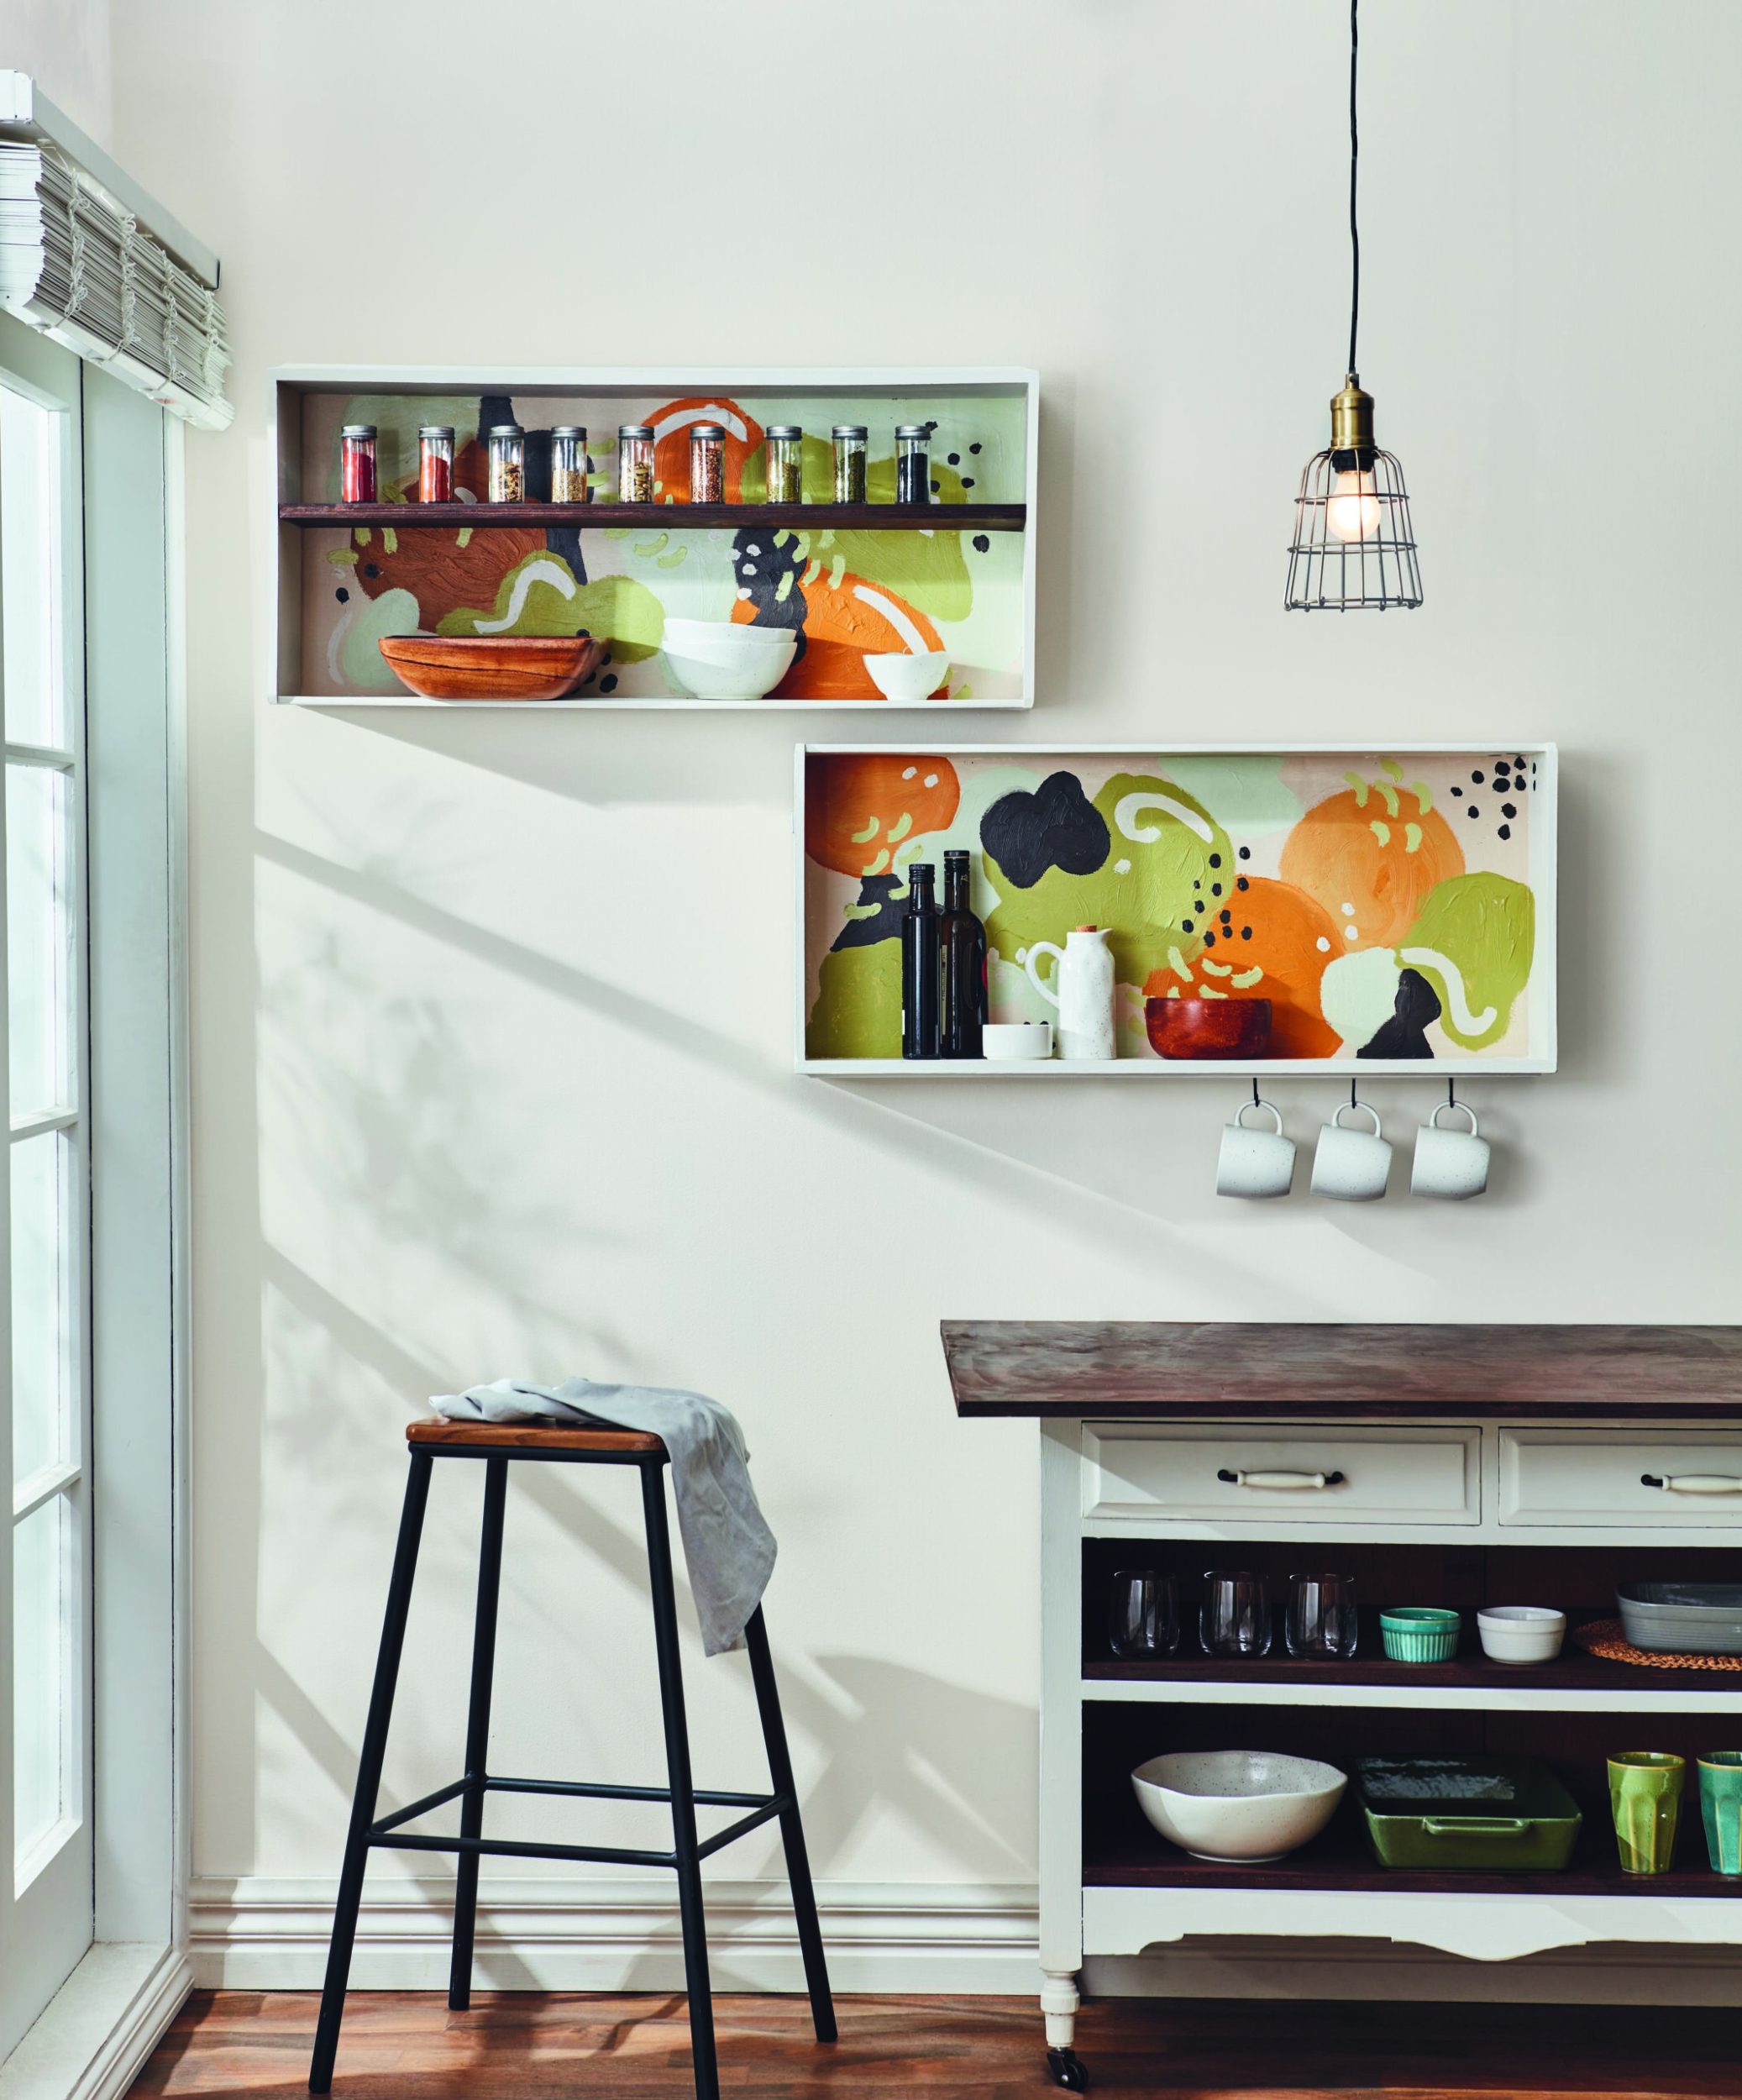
<point>962,941</point>
<point>922,966</point>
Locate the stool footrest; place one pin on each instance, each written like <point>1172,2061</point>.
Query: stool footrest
<point>515,1848</point>
<point>703,1796</point>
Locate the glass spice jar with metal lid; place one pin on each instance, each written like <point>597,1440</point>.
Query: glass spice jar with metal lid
<point>913,463</point>
<point>849,462</point>
<point>435,463</point>
<point>507,463</point>
<point>634,463</point>
<point>707,462</point>
<point>784,446</point>
<point>568,464</point>
<point>356,463</point>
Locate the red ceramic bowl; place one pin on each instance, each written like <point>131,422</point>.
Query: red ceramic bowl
<point>1229,1028</point>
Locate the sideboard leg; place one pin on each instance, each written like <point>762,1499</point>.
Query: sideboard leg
<point>1059,2001</point>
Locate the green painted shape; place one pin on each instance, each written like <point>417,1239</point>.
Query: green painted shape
<point>539,595</point>
<point>858,1012</point>
<point>1357,995</point>
<point>1248,789</point>
<point>361,661</point>
<point>1485,925</point>
<point>1144,903</point>
<point>928,570</point>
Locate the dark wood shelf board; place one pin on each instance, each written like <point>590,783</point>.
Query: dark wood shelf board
<point>1243,1370</point>
<point>878,517</point>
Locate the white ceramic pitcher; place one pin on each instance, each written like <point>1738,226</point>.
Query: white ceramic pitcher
<point>1081,990</point>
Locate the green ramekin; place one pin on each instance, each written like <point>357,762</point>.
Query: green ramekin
<point>1420,1633</point>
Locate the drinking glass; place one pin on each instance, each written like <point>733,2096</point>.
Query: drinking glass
<point>1320,1624</point>
<point>1143,1622</point>
<point>1236,1618</point>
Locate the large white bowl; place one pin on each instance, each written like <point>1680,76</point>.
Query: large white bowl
<point>1238,1804</point>
<point>703,637</point>
<point>1521,1633</point>
<point>750,676</point>
<point>906,679</point>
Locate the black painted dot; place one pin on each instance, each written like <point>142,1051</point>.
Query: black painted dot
<point>1479,776</point>
<point>934,488</point>
<point>1457,790</point>
<point>1506,831</point>
<point>605,659</point>
<point>343,595</point>
<point>973,448</point>
<point>968,481</point>
<point>371,568</point>
<point>955,459</point>
<point>1240,882</point>
<point>1186,926</point>
<point>1502,767</point>
<point>1475,810</point>
<point>1215,889</point>
<point>1246,933</point>
<point>1509,809</point>
<point>1215,860</point>
<point>981,544</point>
<point>1196,884</point>
<point>1519,764</point>
<point>1225,917</point>
<point>1209,940</point>
<point>608,685</point>
<point>1245,853</point>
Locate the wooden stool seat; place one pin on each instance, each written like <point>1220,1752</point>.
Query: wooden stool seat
<point>437,1431</point>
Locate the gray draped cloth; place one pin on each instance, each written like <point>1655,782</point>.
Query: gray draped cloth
<point>727,1544</point>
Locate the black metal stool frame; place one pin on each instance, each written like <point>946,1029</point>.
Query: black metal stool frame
<point>366,1830</point>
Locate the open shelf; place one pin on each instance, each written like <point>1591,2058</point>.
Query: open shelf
<point>809,518</point>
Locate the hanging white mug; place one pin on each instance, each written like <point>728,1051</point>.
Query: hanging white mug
<point>1255,1162</point>
<point>1351,1166</point>
<point>1081,990</point>
<point>1452,1164</point>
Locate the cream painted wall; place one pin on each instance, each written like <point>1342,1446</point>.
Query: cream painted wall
<point>490,1021</point>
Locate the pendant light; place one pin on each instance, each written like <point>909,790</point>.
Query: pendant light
<point>1353,546</point>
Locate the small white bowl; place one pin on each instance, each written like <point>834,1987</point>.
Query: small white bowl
<point>1010,1042</point>
<point>1231,1805</point>
<point>1521,1633</point>
<point>906,679</point>
<point>750,677</point>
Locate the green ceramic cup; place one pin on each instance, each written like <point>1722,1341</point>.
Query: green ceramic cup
<point>1645,1799</point>
<point>1721,1808</point>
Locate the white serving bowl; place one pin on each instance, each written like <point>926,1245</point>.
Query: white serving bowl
<point>1248,1805</point>
<point>908,679</point>
<point>748,677</point>
<point>1010,1041</point>
<point>1521,1633</point>
<point>704,638</point>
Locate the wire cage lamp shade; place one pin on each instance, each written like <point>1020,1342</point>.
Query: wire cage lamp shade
<point>1354,547</point>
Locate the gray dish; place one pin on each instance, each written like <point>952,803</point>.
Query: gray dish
<point>1682,1617</point>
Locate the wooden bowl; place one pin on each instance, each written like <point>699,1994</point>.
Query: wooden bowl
<point>492,666</point>
<point>1228,1028</point>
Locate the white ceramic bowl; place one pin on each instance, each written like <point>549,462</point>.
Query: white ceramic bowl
<point>1521,1633</point>
<point>1238,1804</point>
<point>701,638</point>
<point>749,677</point>
<point>1009,1042</point>
<point>907,680</point>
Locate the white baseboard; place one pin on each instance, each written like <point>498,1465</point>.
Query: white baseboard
<point>99,2027</point>
<point>574,1934</point>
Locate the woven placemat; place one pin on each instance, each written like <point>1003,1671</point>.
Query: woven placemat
<point>1608,1638</point>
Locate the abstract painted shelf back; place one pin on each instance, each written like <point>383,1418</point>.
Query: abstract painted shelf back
<point>1383,912</point>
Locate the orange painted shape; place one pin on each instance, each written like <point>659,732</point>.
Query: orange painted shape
<point>1288,927</point>
<point>1336,854</point>
<point>842,629</point>
<point>671,453</point>
<point>854,803</point>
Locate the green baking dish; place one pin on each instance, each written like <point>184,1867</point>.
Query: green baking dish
<point>1478,1815</point>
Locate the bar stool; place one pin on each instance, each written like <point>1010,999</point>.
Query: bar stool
<point>499,1445</point>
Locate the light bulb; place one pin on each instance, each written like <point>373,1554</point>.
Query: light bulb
<point>1353,511</point>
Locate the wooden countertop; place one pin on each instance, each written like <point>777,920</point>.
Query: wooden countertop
<point>1233,1368</point>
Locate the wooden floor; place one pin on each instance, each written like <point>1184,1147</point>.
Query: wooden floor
<point>523,2046</point>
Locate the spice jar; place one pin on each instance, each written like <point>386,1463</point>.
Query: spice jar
<point>634,463</point>
<point>913,463</point>
<point>356,463</point>
<point>785,452</point>
<point>849,462</point>
<point>435,463</point>
<point>707,462</point>
<point>507,463</point>
<point>568,464</point>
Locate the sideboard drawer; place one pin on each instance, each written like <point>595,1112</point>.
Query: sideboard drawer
<point>1248,1472</point>
<point>1601,1476</point>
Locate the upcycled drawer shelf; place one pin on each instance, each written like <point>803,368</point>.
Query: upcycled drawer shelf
<point>880,517</point>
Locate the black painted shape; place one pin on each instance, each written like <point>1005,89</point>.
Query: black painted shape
<point>1405,1034</point>
<point>880,890</point>
<point>564,541</point>
<point>1055,827</point>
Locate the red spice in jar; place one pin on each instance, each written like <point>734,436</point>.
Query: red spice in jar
<point>356,463</point>
<point>435,464</point>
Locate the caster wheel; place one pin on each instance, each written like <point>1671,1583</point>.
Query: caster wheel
<point>1066,2068</point>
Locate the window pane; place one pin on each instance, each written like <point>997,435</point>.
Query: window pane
<point>39,938</point>
<point>44,1614</point>
<point>29,565</point>
<point>44,1382</point>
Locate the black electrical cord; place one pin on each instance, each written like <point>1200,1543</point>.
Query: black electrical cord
<point>1354,159</point>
